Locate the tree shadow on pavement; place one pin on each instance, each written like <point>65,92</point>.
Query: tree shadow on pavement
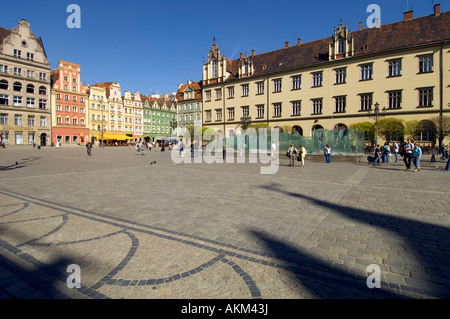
<point>429,243</point>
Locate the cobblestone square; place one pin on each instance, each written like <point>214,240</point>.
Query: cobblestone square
<point>218,231</point>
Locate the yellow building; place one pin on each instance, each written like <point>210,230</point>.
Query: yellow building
<point>334,82</point>
<point>98,113</point>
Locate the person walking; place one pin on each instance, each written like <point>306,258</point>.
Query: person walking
<point>433,154</point>
<point>274,151</point>
<point>292,152</point>
<point>327,153</point>
<point>302,155</point>
<point>386,152</point>
<point>89,148</point>
<point>182,147</point>
<point>447,167</point>
<point>417,154</point>
<point>377,155</point>
<point>396,150</point>
<point>409,147</point>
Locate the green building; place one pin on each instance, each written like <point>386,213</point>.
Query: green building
<point>159,117</point>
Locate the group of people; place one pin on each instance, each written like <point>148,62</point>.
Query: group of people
<point>296,154</point>
<point>410,151</point>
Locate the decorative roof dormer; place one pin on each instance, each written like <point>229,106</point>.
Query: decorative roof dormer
<point>245,66</point>
<point>341,43</point>
<point>215,68</point>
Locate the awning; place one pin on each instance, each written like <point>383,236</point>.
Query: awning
<point>118,137</point>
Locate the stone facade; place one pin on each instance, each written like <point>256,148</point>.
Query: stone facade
<point>25,112</point>
<point>335,82</point>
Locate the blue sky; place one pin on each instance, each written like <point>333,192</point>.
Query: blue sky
<point>152,46</point>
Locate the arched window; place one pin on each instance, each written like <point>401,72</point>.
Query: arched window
<point>42,90</point>
<point>4,85</point>
<point>17,86</point>
<point>214,68</point>
<point>297,130</point>
<point>30,88</point>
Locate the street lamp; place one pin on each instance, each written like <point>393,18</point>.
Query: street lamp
<point>100,98</point>
<point>377,115</point>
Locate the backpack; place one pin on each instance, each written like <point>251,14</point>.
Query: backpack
<point>402,150</point>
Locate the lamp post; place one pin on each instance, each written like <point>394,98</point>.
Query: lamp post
<point>377,115</point>
<point>100,98</point>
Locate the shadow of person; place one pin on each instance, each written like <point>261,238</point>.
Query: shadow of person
<point>321,280</point>
<point>429,243</point>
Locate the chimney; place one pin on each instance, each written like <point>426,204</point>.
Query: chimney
<point>286,44</point>
<point>408,15</point>
<point>437,9</point>
<point>253,52</point>
<point>299,41</point>
<point>360,26</point>
<point>241,56</point>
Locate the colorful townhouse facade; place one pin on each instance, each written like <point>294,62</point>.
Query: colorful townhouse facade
<point>159,118</point>
<point>69,105</point>
<point>138,112</point>
<point>337,81</point>
<point>25,112</point>
<point>98,112</point>
<point>189,106</point>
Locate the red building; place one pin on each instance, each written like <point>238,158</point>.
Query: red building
<point>69,105</point>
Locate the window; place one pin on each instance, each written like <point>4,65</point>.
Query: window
<point>4,85</point>
<point>214,69</point>
<point>3,68</point>
<point>74,80</point>
<point>426,97</point>
<point>244,89</point>
<point>296,82</point>
<point>296,108</point>
<point>277,85</point>
<point>277,110</point>
<point>218,94</point>
<point>74,98</point>
<point>4,99</point>
<point>231,92</point>
<point>30,102</point>
<point>245,111</point>
<point>66,139</point>
<point>93,117</point>
<point>42,90</point>
<point>341,46</point>
<point>74,88</point>
<point>259,111</point>
<point>17,101</point>
<point>74,121</point>
<point>67,120</point>
<point>74,109</point>
<point>42,104</point>
<point>208,115</point>
<point>395,99</point>
<point>17,71</point>
<point>207,96</point>
<point>42,76</point>
<point>340,102</point>
<point>31,120</point>
<point>366,101</point>
<point>30,74</point>
<point>58,96</point>
<point>426,64</point>
<point>66,108</point>
<point>218,115</point>
<point>58,107</point>
<point>43,121</point>
<point>82,121</point>
<point>18,119</point>
<point>17,87</point>
<point>17,53</point>
<point>317,79</point>
<point>317,106</point>
<point>30,88</point>
<point>59,120</point>
<point>366,72</point>
<point>260,88</point>
<point>231,113</point>
<point>4,119</point>
<point>66,97</point>
<point>341,75</point>
<point>30,56</point>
